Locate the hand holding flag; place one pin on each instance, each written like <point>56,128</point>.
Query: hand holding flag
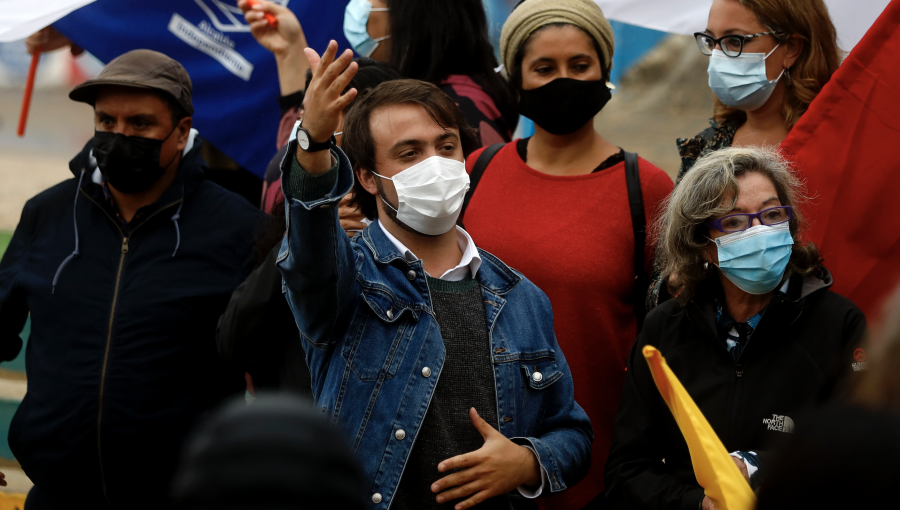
<point>273,21</point>
<point>716,471</point>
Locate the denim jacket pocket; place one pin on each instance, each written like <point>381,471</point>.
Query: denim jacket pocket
<point>541,373</point>
<point>378,337</point>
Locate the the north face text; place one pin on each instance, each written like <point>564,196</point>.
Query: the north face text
<point>779,423</point>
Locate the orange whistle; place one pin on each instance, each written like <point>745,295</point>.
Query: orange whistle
<point>273,21</point>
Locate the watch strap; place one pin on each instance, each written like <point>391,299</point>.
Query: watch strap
<point>312,146</point>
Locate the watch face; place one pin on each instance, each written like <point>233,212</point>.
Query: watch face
<point>303,139</point>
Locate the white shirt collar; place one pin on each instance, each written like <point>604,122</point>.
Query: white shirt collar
<point>468,264</point>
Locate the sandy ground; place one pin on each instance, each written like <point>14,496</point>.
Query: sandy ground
<point>664,97</point>
<point>16,481</point>
<point>57,129</point>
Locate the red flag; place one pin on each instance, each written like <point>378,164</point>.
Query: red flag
<point>847,147</point>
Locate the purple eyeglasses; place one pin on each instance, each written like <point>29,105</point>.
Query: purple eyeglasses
<point>742,221</point>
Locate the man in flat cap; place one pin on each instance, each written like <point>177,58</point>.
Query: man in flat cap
<point>125,270</point>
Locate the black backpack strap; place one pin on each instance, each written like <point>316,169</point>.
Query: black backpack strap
<point>639,225</point>
<point>478,169</point>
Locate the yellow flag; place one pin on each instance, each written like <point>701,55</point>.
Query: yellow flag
<point>10,501</point>
<point>715,471</point>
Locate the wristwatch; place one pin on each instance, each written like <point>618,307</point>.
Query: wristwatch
<point>306,142</point>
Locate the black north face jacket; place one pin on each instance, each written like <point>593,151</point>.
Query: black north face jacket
<point>122,357</point>
<point>804,349</point>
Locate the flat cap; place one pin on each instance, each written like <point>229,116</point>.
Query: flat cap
<point>145,69</point>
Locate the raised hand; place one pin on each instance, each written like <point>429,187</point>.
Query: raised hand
<point>285,40</point>
<point>287,35</point>
<point>324,103</point>
<point>48,39</point>
<point>496,468</point>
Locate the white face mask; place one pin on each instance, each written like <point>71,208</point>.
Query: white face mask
<point>430,194</point>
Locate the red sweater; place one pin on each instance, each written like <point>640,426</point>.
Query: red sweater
<point>572,237</point>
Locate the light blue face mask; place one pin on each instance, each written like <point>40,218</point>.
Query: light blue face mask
<point>741,82</point>
<point>356,17</point>
<point>755,259</point>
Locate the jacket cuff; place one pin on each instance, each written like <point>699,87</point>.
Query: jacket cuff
<point>306,187</point>
<point>530,493</point>
<point>693,499</point>
<point>546,460</point>
<point>315,191</point>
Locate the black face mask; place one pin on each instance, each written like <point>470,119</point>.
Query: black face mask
<point>129,163</point>
<point>565,104</point>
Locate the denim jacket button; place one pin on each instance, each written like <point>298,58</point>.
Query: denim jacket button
<point>537,376</point>
<point>376,498</point>
<point>411,275</point>
<point>390,314</point>
<point>426,372</point>
<point>400,434</point>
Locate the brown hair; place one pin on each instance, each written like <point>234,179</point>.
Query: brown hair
<point>359,145</point>
<point>819,59</point>
<point>710,189</point>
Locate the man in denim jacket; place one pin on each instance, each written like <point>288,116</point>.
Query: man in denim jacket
<point>400,359</point>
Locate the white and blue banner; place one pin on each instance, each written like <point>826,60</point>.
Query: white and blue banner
<point>234,78</point>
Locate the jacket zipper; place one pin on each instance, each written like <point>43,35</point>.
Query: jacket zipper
<point>112,313</point>
<point>735,400</point>
<point>731,425</point>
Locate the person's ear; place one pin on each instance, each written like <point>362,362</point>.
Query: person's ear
<point>711,254</point>
<point>367,180</point>
<point>793,47</point>
<point>183,132</point>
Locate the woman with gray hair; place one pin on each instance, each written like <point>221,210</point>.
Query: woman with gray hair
<point>754,334</point>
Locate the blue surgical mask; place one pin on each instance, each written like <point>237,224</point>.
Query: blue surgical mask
<point>741,82</point>
<point>755,259</point>
<point>356,17</point>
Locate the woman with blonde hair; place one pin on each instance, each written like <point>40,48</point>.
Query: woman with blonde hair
<point>755,334</point>
<point>768,59</point>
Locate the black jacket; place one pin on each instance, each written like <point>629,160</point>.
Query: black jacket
<point>257,333</point>
<point>122,357</point>
<point>799,355</point>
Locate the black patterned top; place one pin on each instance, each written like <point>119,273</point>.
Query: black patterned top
<point>717,136</point>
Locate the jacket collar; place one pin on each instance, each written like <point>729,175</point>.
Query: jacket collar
<point>788,305</point>
<point>493,274</point>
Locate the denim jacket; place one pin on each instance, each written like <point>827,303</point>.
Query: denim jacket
<point>375,351</point>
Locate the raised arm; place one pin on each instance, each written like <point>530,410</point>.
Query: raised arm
<point>286,41</point>
<point>316,259</point>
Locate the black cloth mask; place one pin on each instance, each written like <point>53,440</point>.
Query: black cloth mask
<point>565,104</point>
<point>129,163</point>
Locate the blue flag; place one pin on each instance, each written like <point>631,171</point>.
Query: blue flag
<point>235,80</point>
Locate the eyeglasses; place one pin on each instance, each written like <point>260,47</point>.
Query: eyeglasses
<point>741,222</point>
<point>732,45</point>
